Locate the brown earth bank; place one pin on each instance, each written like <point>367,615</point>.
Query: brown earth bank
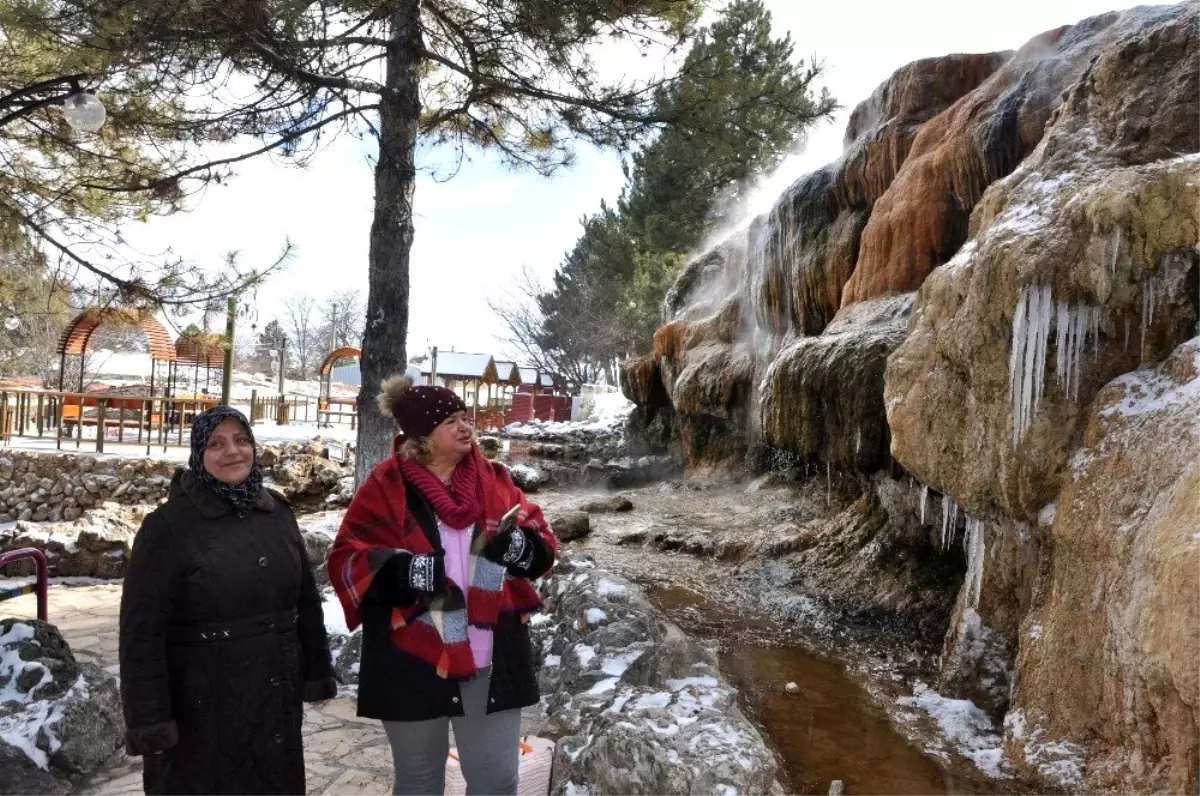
<point>990,301</point>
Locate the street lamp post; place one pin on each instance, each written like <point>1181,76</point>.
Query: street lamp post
<point>82,110</point>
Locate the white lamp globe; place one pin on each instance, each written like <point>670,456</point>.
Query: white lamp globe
<point>12,322</point>
<point>84,112</point>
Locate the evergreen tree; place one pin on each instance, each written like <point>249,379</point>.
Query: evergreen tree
<point>514,76</point>
<point>684,182</point>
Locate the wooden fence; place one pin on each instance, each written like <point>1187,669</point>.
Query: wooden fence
<point>125,419</point>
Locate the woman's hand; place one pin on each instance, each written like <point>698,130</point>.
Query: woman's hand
<point>427,572</point>
<point>511,549</point>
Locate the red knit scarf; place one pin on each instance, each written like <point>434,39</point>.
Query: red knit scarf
<point>379,522</point>
<point>461,505</point>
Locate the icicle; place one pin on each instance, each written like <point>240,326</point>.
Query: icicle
<point>949,520</point>
<point>1045,318</point>
<point>974,544</point>
<point>1112,266</point>
<point>924,498</point>
<point>1019,329</point>
<point>1063,325</point>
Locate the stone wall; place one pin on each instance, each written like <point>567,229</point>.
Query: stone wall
<point>41,487</point>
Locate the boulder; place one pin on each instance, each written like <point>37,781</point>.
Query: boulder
<point>65,716</point>
<point>570,525</point>
<point>614,504</point>
<point>643,708</point>
<point>527,477</point>
<point>18,774</point>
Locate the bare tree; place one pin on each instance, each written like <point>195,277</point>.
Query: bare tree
<point>567,355</point>
<point>305,346</point>
<point>342,316</point>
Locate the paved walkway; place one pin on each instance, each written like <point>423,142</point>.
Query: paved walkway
<point>344,754</point>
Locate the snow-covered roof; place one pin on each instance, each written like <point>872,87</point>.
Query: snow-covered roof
<point>508,372</point>
<point>461,365</point>
<point>529,375</point>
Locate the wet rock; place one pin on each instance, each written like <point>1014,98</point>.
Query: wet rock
<point>631,537</point>
<point>823,395</point>
<point>570,525</point>
<point>630,691</point>
<point>792,688</point>
<point>617,503</point>
<point>528,478</point>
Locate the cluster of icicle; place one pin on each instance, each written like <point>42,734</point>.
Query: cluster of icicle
<point>1036,316</point>
<point>973,542</point>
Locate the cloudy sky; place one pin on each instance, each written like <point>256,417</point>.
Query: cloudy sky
<point>475,232</point>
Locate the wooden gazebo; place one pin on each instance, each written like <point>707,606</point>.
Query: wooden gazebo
<point>78,335</point>
<point>200,350</point>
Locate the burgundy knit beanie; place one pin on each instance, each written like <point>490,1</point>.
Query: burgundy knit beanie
<point>420,409</point>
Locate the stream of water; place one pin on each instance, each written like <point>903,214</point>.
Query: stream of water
<point>831,729</point>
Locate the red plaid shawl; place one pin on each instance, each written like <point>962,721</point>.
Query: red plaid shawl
<point>378,524</point>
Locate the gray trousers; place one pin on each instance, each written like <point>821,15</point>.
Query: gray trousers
<point>487,748</point>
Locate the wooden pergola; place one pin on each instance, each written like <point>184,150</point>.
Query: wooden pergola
<point>78,335</point>
<point>325,399</point>
<point>200,349</point>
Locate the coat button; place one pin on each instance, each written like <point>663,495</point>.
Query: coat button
<point>262,562</point>
<point>278,738</point>
<point>275,681</point>
<point>454,700</point>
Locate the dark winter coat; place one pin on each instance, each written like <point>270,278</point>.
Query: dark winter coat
<point>394,686</point>
<point>222,638</point>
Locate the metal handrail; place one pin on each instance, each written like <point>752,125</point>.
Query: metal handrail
<point>43,575</point>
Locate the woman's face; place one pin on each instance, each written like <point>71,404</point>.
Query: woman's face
<point>230,453</point>
<point>452,439</point>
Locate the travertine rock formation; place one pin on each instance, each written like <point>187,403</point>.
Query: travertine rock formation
<point>996,290</point>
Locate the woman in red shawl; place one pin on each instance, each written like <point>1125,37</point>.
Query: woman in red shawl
<point>442,589</point>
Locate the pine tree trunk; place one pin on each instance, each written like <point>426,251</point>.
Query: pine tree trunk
<point>383,349</point>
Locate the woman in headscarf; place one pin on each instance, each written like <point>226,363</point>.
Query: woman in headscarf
<point>222,632</point>
<point>441,585</point>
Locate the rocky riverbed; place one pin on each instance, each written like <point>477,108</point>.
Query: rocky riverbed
<point>763,572</point>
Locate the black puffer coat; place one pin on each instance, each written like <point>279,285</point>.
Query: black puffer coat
<point>222,638</point>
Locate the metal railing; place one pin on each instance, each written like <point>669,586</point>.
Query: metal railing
<point>43,579</point>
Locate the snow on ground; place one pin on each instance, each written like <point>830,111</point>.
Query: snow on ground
<point>335,617</point>
<point>966,728</point>
<point>608,417</point>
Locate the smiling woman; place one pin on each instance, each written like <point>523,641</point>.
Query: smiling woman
<point>222,632</point>
<point>430,563</point>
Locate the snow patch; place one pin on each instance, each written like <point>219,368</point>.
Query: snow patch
<point>585,654</point>
<point>964,725</point>
<point>595,616</point>
<point>607,588</point>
